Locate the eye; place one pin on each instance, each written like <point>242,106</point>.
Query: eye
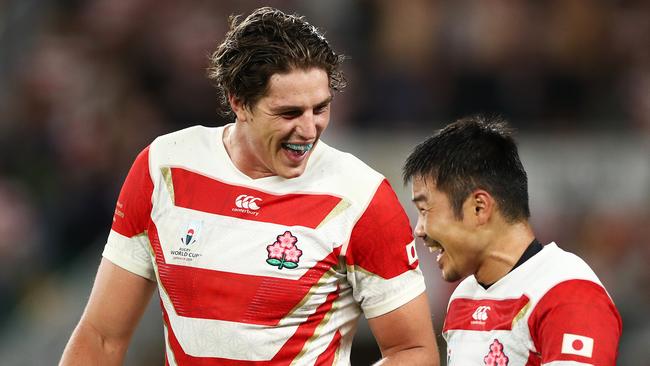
<point>291,114</point>
<point>321,109</point>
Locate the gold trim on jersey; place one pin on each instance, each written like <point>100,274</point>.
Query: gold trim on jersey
<point>520,314</point>
<point>167,177</point>
<point>355,268</point>
<point>337,210</point>
<point>321,281</point>
<point>317,331</point>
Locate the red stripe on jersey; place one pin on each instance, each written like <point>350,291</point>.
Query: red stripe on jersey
<point>327,357</point>
<point>576,307</point>
<point>379,239</point>
<point>209,294</point>
<point>133,208</point>
<point>198,192</point>
<point>289,351</point>
<point>483,315</point>
<point>533,359</point>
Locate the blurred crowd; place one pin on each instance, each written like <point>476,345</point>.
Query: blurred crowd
<point>85,85</point>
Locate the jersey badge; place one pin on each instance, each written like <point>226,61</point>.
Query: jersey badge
<point>191,233</point>
<point>284,253</point>
<point>247,204</point>
<point>573,344</point>
<point>496,357</point>
<point>188,250</point>
<point>480,315</point>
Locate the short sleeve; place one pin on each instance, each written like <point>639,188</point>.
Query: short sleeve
<point>128,245</point>
<point>576,322</point>
<point>382,261</point>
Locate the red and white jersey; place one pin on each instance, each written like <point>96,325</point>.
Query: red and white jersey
<point>268,271</point>
<point>550,310</point>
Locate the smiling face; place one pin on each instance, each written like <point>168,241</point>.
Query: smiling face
<point>458,240</point>
<point>276,136</point>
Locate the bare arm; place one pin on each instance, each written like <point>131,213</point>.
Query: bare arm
<point>405,335</point>
<point>117,302</point>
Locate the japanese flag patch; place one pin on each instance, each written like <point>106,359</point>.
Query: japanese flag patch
<point>573,344</point>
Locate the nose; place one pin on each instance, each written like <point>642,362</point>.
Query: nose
<point>306,127</point>
<point>419,229</point>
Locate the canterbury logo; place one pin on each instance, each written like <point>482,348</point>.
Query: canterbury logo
<point>480,313</point>
<point>247,202</point>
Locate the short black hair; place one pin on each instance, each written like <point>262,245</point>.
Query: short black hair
<point>476,152</point>
<point>267,42</point>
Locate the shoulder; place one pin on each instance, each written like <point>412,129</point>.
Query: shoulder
<point>344,174</point>
<point>569,290</point>
<point>550,267</point>
<point>188,147</point>
<point>345,162</point>
<point>182,138</point>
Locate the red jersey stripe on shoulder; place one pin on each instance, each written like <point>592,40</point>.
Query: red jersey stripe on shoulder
<point>133,209</point>
<point>289,351</point>
<point>379,241</point>
<point>484,314</point>
<point>199,293</point>
<point>206,194</point>
<point>576,320</point>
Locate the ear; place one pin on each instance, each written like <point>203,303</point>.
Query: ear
<point>238,108</point>
<point>483,205</point>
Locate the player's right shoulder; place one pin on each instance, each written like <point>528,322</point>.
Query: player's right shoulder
<point>182,147</point>
<point>182,137</point>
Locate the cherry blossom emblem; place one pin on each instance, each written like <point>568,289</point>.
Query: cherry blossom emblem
<point>284,253</point>
<point>496,357</point>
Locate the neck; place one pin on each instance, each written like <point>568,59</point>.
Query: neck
<point>508,243</point>
<point>236,145</point>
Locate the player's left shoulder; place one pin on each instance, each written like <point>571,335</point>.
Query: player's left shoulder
<point>554,265</point>
<point>332,158</point>
<point>344,174</point>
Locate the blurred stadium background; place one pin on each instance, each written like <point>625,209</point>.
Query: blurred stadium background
<point>85,85</point>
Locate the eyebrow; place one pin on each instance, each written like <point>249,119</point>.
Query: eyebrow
<point>419,198</point>
<point>288,108</point>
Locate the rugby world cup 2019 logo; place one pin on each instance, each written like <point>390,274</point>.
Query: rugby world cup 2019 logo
<point>189,235</point>
<point>284,253</point>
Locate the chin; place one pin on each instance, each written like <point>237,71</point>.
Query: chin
<point>451,276</point>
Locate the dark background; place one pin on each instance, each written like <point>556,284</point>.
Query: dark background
<point>85,85</point>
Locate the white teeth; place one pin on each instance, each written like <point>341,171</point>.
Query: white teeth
<point>298,147</point>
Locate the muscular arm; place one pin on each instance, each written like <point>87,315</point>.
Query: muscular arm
<point>117,302</point>
<point>405,335</point>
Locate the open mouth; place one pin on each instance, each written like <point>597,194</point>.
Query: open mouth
<point>297,149</point>
<point>434,246</point>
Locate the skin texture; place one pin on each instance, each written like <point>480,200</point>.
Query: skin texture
<point>116,304</point>
<point>482,243</point>
<point>296,110</point>
<point>405,335</point>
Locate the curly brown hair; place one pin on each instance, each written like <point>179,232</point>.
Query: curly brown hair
<point>267,42</point>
